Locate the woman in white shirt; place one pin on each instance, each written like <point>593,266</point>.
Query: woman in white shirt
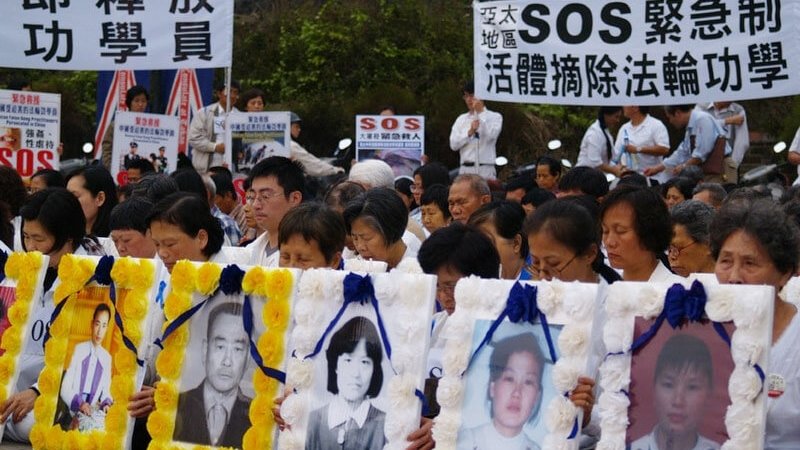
<point>597,145</point>
<point>642,142</point>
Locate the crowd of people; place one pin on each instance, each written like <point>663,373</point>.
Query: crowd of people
<point>660,220</point>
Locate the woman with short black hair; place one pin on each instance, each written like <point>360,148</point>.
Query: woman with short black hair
<point>501,221</point>
<point>94,188</point>
<point>376,221</point>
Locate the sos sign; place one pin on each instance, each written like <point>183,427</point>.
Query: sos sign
<point>389,123</point>
<point>27,161</point>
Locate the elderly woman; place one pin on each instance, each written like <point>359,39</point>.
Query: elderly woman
<point>756,243</point>
<point>689,250</point>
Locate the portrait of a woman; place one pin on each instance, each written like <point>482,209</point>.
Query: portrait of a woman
<point>683,386</point>
<point>350,421</point>
<point>514,395</point>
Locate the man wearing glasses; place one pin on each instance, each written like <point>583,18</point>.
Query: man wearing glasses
<point>278,185</point>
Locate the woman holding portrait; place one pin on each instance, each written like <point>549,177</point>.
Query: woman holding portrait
<point>754,242</point>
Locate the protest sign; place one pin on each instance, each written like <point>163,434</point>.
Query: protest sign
<point>144,136</point>
<point>29,130</point>
<point>397,140</point>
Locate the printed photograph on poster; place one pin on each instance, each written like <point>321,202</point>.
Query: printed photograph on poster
<point>679,386</point>
<point>7,298</point>
<point>354,375</point>
<point>144,137</point>
<point>255,136</point>
<point>30,124</point>
<point>85,394</point>
<point>216,387</point>
<point>505,392</point>
<point>397,140</point>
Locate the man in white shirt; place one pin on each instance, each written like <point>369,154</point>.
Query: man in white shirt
<point>278,184</point>
<point>733,119</point>
<point>207,132</point>
<point>86,388</point>
<point>474,136</point>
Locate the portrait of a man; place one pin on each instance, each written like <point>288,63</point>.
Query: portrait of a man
<point>86,386</point>
<point>216,411</point>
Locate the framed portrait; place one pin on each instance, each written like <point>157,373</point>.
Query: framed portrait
<point>359,349</point>
<point>22,281</point>
<point>223,356</point>
<point>513,353</point>
<point>93,352</point>
<point>685,365</point>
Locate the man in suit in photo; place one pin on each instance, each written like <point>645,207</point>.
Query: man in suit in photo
<point>216,411</point>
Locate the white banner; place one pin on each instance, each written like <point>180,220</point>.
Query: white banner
<point>30,123</point>
<point>153,137</point>
<point>113,35</point>
<point>255,136</point>
<point>397,140</point>
<point>651,52</point>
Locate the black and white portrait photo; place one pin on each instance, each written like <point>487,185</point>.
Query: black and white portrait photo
<point>356,368</point>
<point>216,383</point>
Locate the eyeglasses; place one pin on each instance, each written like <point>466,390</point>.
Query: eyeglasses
<point>547,271</point>
<point>264,195</point>
<point>676,251</point>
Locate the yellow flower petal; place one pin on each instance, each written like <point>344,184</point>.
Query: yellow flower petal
<point>160,426</point>
<point>254,279</point>
<point>184,276</point>
<point>280,283</point>
<point>208,278</point>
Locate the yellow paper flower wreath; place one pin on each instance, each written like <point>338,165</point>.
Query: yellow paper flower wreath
<point>24,268</point>
<point>133,280</point>
<point>276,286</point>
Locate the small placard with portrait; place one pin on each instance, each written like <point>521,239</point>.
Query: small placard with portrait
<point>94,350</point>
<point>359,351</point>
<point>513,355</point>
<point>685,365</point>
<point>21,285</point>
<point>224,353</point>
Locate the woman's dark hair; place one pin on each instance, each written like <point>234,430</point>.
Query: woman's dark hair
<point>554,165</point>
<point>588,180</point>
<point>601,119</point>
<point>6,226</point>
<point>504,348</point>
<point>131,215</point>
<point>766,222</point>
<point>155,186</point>
<point>461,247</point>
<point>507,218</point>
<point>97,179</point>
<point>59,213</point>
<point>342,193</point>
<point>345,340</point>
<point>684,351</point>
<point>134,92</point>
<point>570,224</point>
<point>190,213</point>
<point>437,195</point>
<point>51,177</point>
<point>696,217</point>
<point>314,222</point>
<point>684,185</point>
<point>189,180</point>
<point>433,173</point>
<point>537,197</point>
<point>650,215</point>
<point>250,94</point>
<point>382,209</point>
<point>403,186</point>
<point>12,189</point>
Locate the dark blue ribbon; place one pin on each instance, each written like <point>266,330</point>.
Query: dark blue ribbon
<point>182,318</point>
<point>247,317</point>
<point>421,396</point>
<point>230,280</point>
<point>357,289</point>
<point>3,260</point>
<point>520,307</point>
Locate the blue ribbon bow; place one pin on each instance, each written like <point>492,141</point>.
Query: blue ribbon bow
<point>230,280</point>
<point>520,307</point>
<point>682,304</point>
<point>357,289</point>
<point>247,318</point>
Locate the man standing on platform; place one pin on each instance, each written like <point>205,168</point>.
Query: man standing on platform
<point>474,136</point>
